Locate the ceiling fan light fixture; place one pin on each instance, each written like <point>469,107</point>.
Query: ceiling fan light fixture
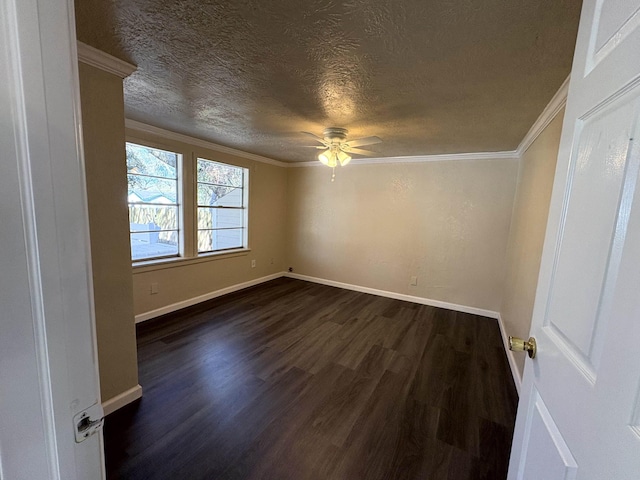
<point>343,158</point>
<point>337,149</point>
<point>327,158</point>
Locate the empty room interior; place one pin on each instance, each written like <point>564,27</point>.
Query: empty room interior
<point>313,227</point>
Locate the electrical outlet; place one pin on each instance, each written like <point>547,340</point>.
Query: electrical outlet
<point>414,280</point>
<point>253,264</point>
<point>153,289</point>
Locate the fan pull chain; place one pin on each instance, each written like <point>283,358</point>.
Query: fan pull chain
<point>333,174</point>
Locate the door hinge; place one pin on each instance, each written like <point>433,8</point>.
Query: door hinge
<point>88,422</point>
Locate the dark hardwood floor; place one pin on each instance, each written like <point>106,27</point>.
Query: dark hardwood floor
<point>293,380</point>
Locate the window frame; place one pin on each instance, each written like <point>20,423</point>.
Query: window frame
<point>178,205</point>
<point>187,201</point>
<point>244,208</point>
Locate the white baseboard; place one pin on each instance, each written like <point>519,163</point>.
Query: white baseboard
<point>357,288</point>
<point>433,303</point>
<point>203,298</point>
<point>515,372</point>
<point>397,296</point>
<point>121,400</point>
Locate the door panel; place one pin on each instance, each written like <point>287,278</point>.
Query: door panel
<point>586,316</point>
<point>613,21</point>
<point>635,418</point>
<point>613,401</point>
<point>553,459</point>
<point>598,169</point>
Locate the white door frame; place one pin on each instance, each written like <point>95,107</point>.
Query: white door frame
<point>48,362</point>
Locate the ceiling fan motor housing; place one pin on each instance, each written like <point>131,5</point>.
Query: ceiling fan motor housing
<point>335,134</point>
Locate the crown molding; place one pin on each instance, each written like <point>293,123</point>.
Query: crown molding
<point>99,59</point>
<point>179,137</point>
<point>556,104</point>
<point>509,155</point>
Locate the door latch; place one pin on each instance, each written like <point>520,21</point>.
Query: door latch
<point>88,422</point>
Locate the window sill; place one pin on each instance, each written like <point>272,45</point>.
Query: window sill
<point>174,262</point>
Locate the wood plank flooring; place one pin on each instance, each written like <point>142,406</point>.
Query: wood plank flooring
<point>294,380</point>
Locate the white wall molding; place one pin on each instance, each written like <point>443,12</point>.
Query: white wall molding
<point>397,296</point>
<point>347,286</point>
<point>121,400</point>
<point>515,372</point>
<point>510,155</point>
<point>197,142</point>
<point>558,102</point>
<point>203,298</point>
<point>129,396</point>
<point>552,109</point>
<point>99,59</point>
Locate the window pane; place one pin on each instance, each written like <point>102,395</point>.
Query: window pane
<point>151,161</point>
<point>154,244</point>
<point>149,218</point>
<point>220,218</point>
<point>152,190</point>
<point>218,173</point>
<point>210,240</point>
<point>209,195</point>
<point>220,185</point>
<point>152,176</point>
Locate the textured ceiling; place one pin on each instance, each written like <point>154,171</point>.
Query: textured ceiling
<point>426,76</point>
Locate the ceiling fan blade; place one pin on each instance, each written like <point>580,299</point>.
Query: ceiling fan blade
<point>364,141</point>
<point>319,147</point>
<point>360,151</point>
<point>315,137</point>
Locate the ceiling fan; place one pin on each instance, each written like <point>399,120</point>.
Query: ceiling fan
<point>337,148</point>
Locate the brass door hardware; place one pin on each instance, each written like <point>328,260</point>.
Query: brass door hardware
<point>519,345</point>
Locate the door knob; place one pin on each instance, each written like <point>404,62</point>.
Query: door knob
<point>519,345</point>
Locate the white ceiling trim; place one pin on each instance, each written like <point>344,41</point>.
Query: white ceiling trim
<point>556,104</point>
<point>99,59</point>
<point>510,154</point>
<point>552,109</point>
<point>179,137</point>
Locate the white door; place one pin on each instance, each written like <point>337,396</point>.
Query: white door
<point>579,413</point>
<point>48,366</point>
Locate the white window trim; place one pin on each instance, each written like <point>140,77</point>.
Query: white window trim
<point>246,178</point>
<point>173,262</point>
<point>180,199</point>
<point>187,189</point>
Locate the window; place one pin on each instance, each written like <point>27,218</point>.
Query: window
<point>153,202</point>
<point>182,206</point>
<point>221,206</point>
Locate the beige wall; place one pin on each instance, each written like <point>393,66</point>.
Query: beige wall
<point>531,208</point>
<point>377,225</point>
<point>183,281</point>
<point>103,131</point>
<point>471,231</point>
